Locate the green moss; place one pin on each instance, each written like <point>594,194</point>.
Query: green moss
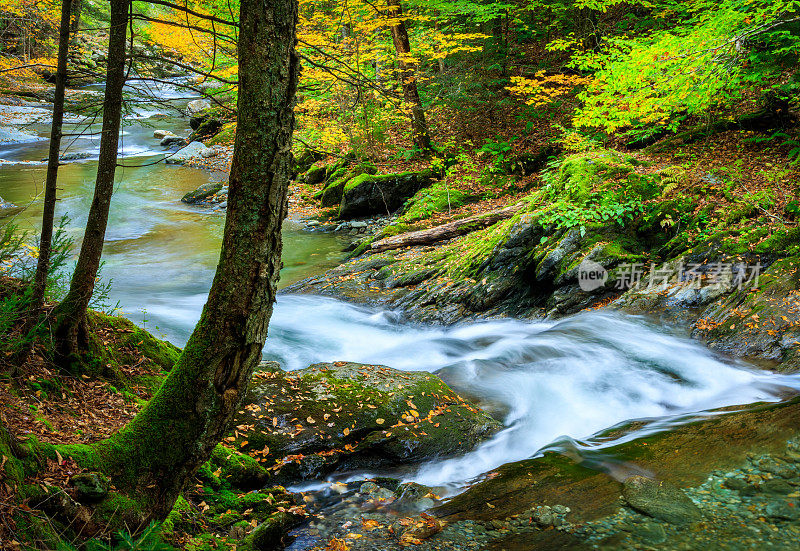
<point>130,343</point>
<point>465,256</point>
<point>239,470</point>
<point>379,178</point>
<point>120,510</point>
<point>176,518</point>
<point>225,136</point>
<point>437,198</point>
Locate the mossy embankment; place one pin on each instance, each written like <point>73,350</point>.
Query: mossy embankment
<point>293,426</point>
<point>624,215</point>
<point>54,491</point>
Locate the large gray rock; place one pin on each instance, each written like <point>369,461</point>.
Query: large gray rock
<point>194,150</point>
<point>197,106</point>
<point>660,499</point>
<point>369,194</point>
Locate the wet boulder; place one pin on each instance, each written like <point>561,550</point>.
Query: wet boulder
<point>173,141</point>
<point>202,193</point>
<point>304,424</point>
<point>660,499</point>
<point>370,194</point>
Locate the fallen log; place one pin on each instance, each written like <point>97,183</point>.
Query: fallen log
<point>445,231</point>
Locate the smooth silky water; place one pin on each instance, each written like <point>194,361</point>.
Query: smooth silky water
<point>554,384</point>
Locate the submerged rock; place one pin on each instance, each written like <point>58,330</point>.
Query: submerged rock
<point>7,209</point>
<point>203,192</point>
<point>660,499</point>
<point>304,424</point>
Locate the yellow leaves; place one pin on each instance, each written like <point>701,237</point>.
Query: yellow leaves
<point>544,89</point>
<point>369,524</point>
<point>380,421</point>
<point>337,545</point>
<point>346,431</point>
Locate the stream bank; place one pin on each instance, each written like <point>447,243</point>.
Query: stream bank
<point>529,268</point>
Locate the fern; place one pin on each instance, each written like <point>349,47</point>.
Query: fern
<point>671,178</point>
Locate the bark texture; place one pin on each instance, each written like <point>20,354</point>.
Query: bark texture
<point>50,189</point>
<point>174,434</point>
<point>408,79</point>
<point>71,337</point>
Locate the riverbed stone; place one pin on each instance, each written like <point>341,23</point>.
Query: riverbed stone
<point>203,192</point>
<point>783,509</point>
<point>197,106</point>
<point>161,134</point>
<point>660,499</point>
<point>306,423</point>
<point>7,208</point>
<point>194,150</point>
<point>173,141</point>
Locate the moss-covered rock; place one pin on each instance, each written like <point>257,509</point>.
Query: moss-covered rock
<point>306,423</point>
<point>590,484</point>
<point>331,194</point>
<point>370,194</point>
<point>438,197</point>
<point>203,192</point>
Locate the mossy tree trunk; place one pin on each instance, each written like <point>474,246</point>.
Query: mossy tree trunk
<point>71,334</point>
<point>49,207</point>
<point>152,458</point>
<point>408,78</point>
<point>75,15</point>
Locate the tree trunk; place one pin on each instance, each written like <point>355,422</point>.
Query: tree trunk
<point>408,81</point>
<point>445,231</point>
<point>75,15</point>
<point>71,337</point>
<point>48,213</point>
<point>174,434</point>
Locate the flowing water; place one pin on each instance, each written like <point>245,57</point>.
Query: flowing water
<point>554,384</point>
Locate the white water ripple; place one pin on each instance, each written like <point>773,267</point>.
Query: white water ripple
<point>570,378</point>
